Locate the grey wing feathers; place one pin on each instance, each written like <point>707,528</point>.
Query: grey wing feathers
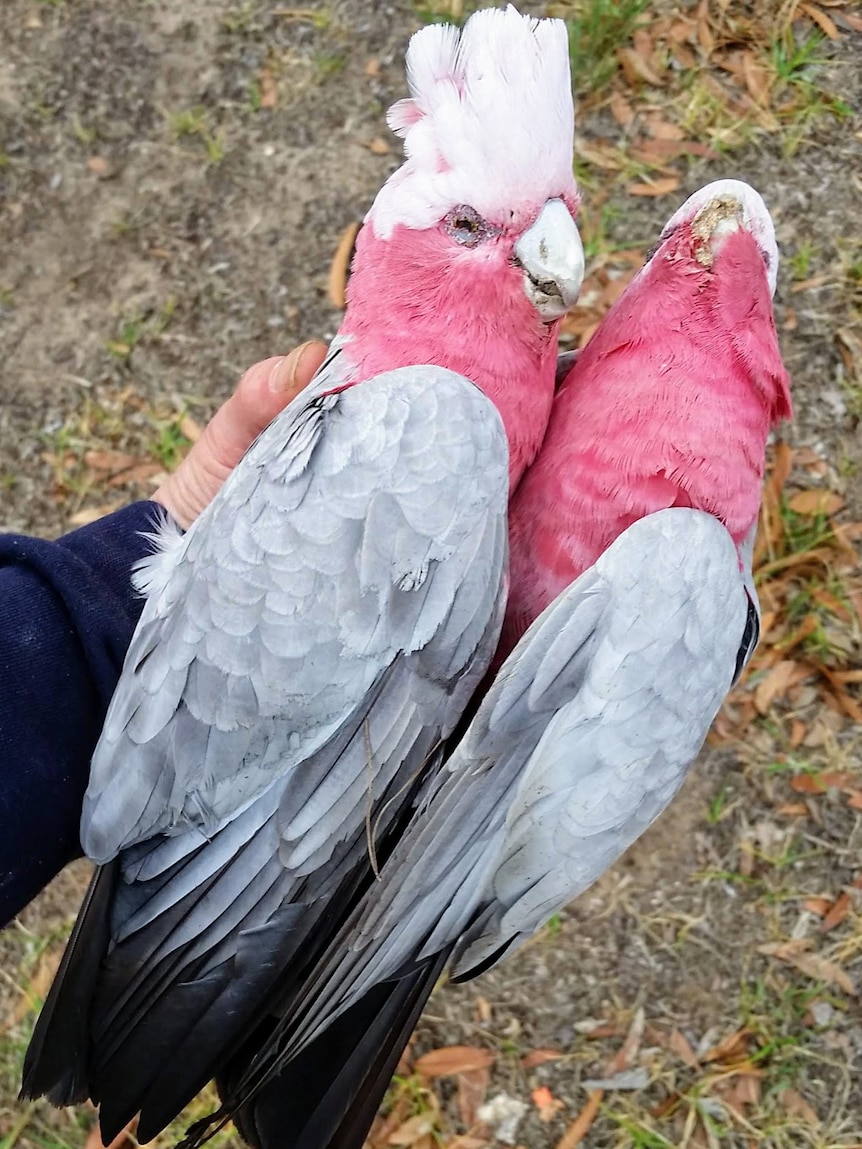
<point>612,758</point>
<point>363,527</point>
<point>581,742</point>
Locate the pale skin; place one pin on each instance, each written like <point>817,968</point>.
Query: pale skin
<point>264,390</point>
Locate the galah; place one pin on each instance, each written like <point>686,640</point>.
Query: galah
<point>309,642</point>
<point>631,545</point>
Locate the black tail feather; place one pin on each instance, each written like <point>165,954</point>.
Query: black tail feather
<point>326,1098</point>
<point>58,1058</point>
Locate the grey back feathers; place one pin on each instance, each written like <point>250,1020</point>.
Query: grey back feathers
<point>362,535</point>
<point>581,742</point>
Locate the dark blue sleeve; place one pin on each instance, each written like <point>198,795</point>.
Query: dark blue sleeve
<point>67,614</point>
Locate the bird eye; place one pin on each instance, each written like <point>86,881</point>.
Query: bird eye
<point>466,226</point>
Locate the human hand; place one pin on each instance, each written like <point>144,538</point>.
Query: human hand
<point>263,391</point>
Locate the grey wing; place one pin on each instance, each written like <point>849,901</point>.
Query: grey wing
<point>664,657</point>
<point>360,540</point>
<point>583,739</point>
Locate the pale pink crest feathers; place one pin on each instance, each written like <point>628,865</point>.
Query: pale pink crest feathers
<point>490,121</point>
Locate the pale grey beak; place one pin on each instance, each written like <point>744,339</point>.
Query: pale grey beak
<point>552,256</point>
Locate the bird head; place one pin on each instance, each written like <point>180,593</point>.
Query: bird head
<point>478,223</point>
<point>722,240</point>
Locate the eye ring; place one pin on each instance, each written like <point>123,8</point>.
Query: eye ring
<point>464,224</point>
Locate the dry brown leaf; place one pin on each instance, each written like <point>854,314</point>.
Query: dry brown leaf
<point>472,1089</point>
<point>757,78</point>
<point>837,607</point>
<point>99,166</point>
<point>682,31</point>
<point>798,730</point>
<point>797,1106</point>
<point>547,1105</point>
<point>643,43</point>
<point>636,68</point>
<point>338,268</point>
<point>581,1125</point>
<point>483,1010</point>
<point>704,33</point>
<point>821,969</point>
<point>540,1057</point>
<point>621,110</point>
<point>656,188</point>
<point>792,810</point>
<point>815,503</point>
<point>601,156</point>
<point>808,784</point>
<point>91,514</point>
<point>679,1044</point>
<point>774,684</point>
<point>818,906</point>
<point>741,1090</point>
<point>730,1048</point>
<point>191,428</point>
<point>453,1059</point>
<point>378,146</point>
<point>382,1126</point>
<point>809,284</point>
<point>839,779</point>
<point>807,627</point>
<point>855,801</point>
<point>684,57</point>
<point>812,965</point>
<point>267,88</point>
<point>824,22</point>
<point>372,68</point>
<point>109,462</point>
<point>661,129</point>
<point>35,991</point>
<point>784,951</point>
<point>412,1130</point>
<point>837,913</point>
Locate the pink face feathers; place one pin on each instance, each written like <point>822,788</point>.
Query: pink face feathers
<point>669,404</point>
<point>470,254</point>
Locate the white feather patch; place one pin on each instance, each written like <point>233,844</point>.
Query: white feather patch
<point>490,121</point>
<point>150,574</point>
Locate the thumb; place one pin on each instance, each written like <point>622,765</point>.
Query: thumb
<point>263,391</point>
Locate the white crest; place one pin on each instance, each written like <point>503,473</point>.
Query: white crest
<point>490,121</point>
<point>755,214</point>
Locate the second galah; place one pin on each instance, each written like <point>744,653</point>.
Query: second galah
<point>309,642</point>
<point>631,551</point>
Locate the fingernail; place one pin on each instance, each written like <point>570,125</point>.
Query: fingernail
<point>283,377</point>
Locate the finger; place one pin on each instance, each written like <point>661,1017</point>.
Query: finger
<point>263,391</point>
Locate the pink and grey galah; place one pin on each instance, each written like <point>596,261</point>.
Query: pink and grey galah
<point>309,643</point>
<point>631,544</point>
